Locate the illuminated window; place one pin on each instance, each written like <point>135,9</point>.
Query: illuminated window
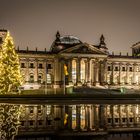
<point>130,69</point>
<point>123,69</point>
<point>116,68</point>
<point>74,71</point>
<point>49,79</point>
<point>109,68</point>
<point>137,69</point>
<point>40,79</point>
<point>31,65</point>
<point>116,120</point>
<point>48,107</point>
<point>22,65</point>
<point>108,110</point>
<point>130,119</point>
<point>31,123</point>
<point>123,120</point>
<point>31,110</point>
<point>123,109</point>
<point>40,66</point>
<point>49,66</point>
<point>39,111</point>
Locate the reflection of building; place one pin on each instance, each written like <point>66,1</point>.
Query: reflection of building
<point>82,118</point>
<point>88,65</point>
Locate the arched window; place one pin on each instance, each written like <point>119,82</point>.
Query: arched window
<point>74,71</point>
<point>31,78</point>
<point>40,78</point>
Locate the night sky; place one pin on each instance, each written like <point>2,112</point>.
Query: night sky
<point>34,23</point>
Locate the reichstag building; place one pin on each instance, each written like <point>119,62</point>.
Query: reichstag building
<point>87,65</point>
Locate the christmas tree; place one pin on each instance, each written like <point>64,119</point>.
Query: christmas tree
<point>9,121</point>
<point>10,77</point>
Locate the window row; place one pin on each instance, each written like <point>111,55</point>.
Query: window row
<point>40,110</point>
<point>32,65</point>
<point>33,122</point>
<point>117,68</point>
<point>123,120</point>
<point>40,78</point>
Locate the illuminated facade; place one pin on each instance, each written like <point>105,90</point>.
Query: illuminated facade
<point>88,65</point>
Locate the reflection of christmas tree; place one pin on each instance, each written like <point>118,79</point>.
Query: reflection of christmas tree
<point>9,121</point>
<point>10,77</point>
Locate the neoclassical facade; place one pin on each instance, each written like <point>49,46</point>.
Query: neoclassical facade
<point>87,65</point>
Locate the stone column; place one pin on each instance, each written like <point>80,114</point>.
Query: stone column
<point>120,116</point>
<point>27,71</point>
<point>134,73</point>
<point>105,73</point>
<point>78,119</point>
<point>92,72</point>
<point>45,70</point>
<point>36,71</point>
<point>134,112</point>
<point>127,115</point>
<point>120,75</point>
<point>112,80</point>
<point>86,117</point>
<point>92,117</point>
<point>89,117</point>
<point>102,72</point>
<point>97,72</point>
<point>96,117</point>
<point>112,114</point>
<point>78,71</point>
<point>86,70</point>
<point>127,73</point>
<point>89,72</point>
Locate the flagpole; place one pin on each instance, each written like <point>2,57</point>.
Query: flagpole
<point>64,84</point>
<point>46,82</point>
<point>65,73</point>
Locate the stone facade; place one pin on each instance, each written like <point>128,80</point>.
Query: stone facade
<point>87,65</point>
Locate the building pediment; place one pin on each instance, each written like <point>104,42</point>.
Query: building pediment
<point>83,48</point>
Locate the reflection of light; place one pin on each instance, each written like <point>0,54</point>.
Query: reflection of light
<point>137,109</point>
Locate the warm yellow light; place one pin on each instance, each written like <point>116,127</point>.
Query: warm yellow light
<point>137,110</point>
